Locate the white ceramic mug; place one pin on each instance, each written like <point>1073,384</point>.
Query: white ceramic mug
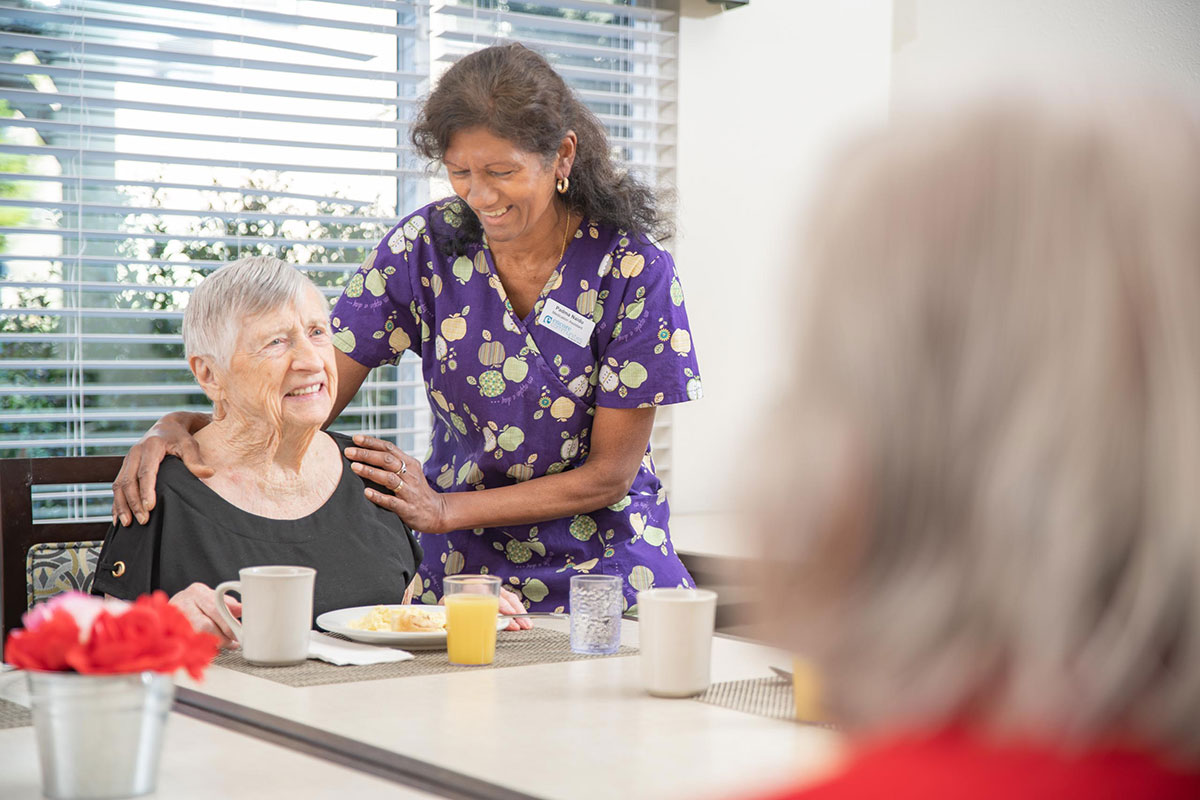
<point>675,628</point>
<point>277,607</point>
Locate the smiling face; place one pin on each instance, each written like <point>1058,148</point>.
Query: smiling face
<point>510,190</point>
<point>282,370</point>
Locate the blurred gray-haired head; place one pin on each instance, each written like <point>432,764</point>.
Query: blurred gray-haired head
<point>226,298</point>
<point>988,500</point>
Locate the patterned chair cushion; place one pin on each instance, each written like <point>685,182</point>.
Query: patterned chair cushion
<point>57,567</point>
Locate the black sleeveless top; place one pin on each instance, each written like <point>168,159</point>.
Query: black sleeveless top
<point>363,554</point>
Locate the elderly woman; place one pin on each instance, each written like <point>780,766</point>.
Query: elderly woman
<point>991,545</point>
<point>258,341</point>
<point>549,326</point>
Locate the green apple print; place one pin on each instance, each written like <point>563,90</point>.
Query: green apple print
<point>515,369</point>
<point>463,269</point>
<point>344,340</point>
<point>676,292</point>
<point>641,578</point>
<point>535,590</point>
<point>582,527</point>
<point>633,374</point>
<point>491,384</point>
<point>454,562</point>
<point>508,440</point>
<point>375,283</point>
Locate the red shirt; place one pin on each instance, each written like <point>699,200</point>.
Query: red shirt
<point>959,766</point>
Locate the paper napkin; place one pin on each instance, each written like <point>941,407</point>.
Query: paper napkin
<point>343,653</point>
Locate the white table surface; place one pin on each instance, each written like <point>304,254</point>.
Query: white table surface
<point>574,730</point>
<point>204,761</point>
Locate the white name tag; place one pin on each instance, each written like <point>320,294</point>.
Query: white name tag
<point>566,323</point>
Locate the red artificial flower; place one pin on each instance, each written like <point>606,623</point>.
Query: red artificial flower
<point>45,647</point>
<point>151,634</point>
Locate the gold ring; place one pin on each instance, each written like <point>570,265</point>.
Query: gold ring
<point>118,569</point>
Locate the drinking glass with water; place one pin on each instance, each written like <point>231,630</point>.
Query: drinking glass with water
<point>595,614</point>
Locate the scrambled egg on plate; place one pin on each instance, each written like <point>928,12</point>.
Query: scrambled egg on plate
<point>400,619</point>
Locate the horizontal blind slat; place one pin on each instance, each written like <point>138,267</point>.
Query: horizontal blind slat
<point>144,25</point>
<point>115,286</point>
<point>589,73</point>
<point>109,130</point>
<point>100,440</point>
<point>245,241</point>
<point>19,96</point>
<point>110,157</point>
<point>549,23</point>
<point>640,12</point>
<point>78,49</point>
<point>181,388</point>
<point>98,75</point>
<point>311,266</point>
<point>552,46</point>
<point>78,180</point>
<point>245,12</point>
<point>102,208</point>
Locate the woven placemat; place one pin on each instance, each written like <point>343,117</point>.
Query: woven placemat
<point>766,697</point>
<point>513,649</point>
<point>13,715</point>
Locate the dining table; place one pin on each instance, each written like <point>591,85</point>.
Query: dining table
<point>566,727</point>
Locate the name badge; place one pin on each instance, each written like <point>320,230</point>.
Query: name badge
<point>566,323</point>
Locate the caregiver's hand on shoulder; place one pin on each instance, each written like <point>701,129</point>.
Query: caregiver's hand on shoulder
<point>133,490</point>
<point>412,498</point>
<point>511,604</point>
<point>198,603</point>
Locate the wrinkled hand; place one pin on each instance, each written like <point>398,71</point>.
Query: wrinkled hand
<point>511,604</point>
<point>133,490</point>
<point>199,604</point>
<point>412,498</point>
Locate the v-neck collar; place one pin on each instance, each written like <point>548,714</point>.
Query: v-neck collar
<point>555,276</point>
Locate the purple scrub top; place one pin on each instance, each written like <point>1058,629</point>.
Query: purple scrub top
<point>513,399</point>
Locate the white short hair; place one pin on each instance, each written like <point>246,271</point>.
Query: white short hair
<point>1002,350</point>
<point>226,298</point>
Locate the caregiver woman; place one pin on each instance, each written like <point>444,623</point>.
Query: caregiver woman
<point>549,327</point>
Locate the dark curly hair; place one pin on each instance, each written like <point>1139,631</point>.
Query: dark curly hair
<point>515,94</point>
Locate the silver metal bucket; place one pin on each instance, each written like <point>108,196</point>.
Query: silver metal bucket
<point>99,736</point>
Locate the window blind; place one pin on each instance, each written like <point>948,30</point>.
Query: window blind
<point>144,143</point>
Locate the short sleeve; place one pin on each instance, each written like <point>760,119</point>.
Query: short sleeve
<point>129,558</point>
<point>649,359</point>
<point>378,316</point>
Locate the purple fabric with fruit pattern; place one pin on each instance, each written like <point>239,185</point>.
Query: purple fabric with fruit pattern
<point>513,399</point>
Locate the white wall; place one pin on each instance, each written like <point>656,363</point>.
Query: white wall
<point>763,92</point>
<point>948,48</point>
<point>766,90</point>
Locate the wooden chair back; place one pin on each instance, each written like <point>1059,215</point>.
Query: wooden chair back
<point>19,532</point>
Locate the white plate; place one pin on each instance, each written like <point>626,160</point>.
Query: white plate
<point>339,622</point>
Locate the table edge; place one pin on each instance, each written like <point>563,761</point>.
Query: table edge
<point>340,750</point>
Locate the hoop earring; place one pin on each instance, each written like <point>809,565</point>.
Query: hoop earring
<point>563,184</point>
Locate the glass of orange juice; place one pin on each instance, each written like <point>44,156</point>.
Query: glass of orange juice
<point>472,606</point>
<point>806,688</point>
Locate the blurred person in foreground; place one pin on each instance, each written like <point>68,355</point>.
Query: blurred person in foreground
<point>990,543</point>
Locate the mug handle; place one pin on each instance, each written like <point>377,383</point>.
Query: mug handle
<point>222,609</point>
